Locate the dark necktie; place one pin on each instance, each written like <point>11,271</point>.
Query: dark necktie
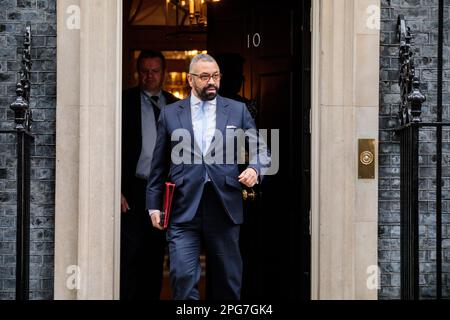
<point>156,110</point>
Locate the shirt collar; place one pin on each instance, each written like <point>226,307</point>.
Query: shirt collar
<point>148,94</point>
<point>197,102</point>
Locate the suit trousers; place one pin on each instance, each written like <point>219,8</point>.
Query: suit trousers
<point>214,229</point>
<point>142,250</point>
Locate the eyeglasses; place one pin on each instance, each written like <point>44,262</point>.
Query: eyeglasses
<point>204,77</point>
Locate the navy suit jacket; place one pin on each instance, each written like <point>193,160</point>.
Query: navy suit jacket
<point>189,177</point>
<point>132,145</point>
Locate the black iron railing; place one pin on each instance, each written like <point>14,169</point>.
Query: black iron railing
<point>409,130</point>
<point>22,131</point>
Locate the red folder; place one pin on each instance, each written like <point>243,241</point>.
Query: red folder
<point>168,196</point>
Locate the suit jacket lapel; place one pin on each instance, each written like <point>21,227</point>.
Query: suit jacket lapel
<point>185,117</point>
<point>221,115</point>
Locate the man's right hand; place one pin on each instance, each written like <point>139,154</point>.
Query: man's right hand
<point>124,207</point>
<point>155,216</point>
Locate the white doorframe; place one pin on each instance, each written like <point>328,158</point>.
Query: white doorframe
<point>344,108</point>
<point>315,138</point>
<point>88,149</point>
<point>118,162</point>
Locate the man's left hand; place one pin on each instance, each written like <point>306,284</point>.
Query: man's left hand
<point>248,177</point>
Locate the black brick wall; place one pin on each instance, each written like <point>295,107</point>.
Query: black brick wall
<point>14,16</point>
<point>422,17</point>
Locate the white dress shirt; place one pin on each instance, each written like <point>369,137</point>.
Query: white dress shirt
<point>148,125</point>
<point>210,118</point>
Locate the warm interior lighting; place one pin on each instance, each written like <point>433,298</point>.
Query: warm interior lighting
<point>176,78</point>
<point>191,7</point>
<point>192,53</point>
<point>169,12</point>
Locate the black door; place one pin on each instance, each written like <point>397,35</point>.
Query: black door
<point>274,44</point>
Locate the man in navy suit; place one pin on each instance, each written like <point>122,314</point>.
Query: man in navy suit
<point>207,205</point>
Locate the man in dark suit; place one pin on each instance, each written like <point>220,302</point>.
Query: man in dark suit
<point>207,204</point>
<point>142,247</point>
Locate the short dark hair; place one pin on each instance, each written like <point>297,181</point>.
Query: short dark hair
<point>200,57</point>
<point>145,54</point>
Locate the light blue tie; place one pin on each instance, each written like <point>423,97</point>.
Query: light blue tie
<point>203,138</point>
<point>203,134</point>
